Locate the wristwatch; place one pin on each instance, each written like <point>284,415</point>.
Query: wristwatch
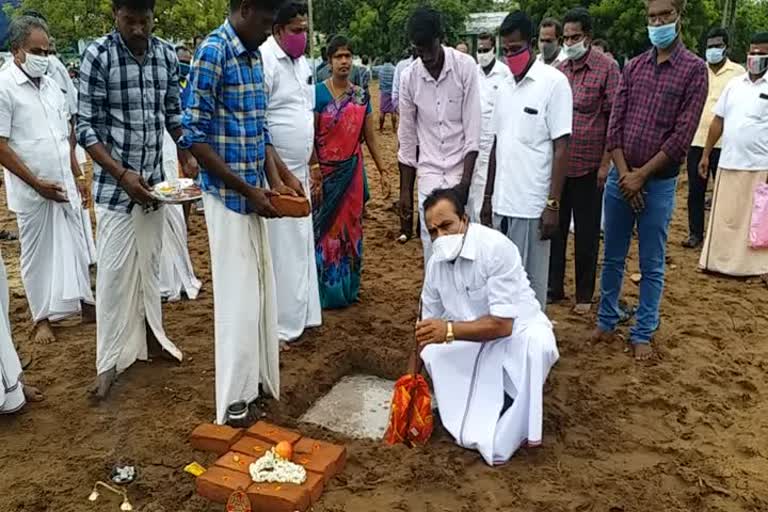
<point>553,204</point>
<point>449,337</point>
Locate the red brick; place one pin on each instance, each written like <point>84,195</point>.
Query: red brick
<point>272,434</point>
<point>289,206</point>
<point>217,484</point>
<point>251,446</point>
<point>320,457</point>
<point>236,461</point>
<point>214,438</point>
<point>314,486</point>
<point>266,497</point>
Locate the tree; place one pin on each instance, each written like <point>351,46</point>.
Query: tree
<point>751,17</point>
<point>378,27</point>
<point>72,20</point>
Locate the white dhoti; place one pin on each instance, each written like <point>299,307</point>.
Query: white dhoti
<point>82,159</point>
<point>292,245</point>
<point>54,260</point>
<point>128,287</point>
<point>88,234</point>
<point>11,388</point>
<point>176,272</point>
<point>245,312</point>
<point>471,379</point>
<point>479,180</point>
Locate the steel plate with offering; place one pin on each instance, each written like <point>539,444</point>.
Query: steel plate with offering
<point>183,190</point>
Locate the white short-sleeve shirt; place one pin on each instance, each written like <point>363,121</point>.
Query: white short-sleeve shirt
<point>490,85</point>
<point>488,278</point>
<point>744,109</point>
<point>529,116</point>
<point>36,123</point>
<point>290,103</point>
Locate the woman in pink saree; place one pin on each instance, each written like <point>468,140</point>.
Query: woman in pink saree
<point>343,121</point>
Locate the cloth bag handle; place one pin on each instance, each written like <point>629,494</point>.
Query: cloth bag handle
<point>417,362</point>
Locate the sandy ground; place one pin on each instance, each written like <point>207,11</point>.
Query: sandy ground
<point>686,432</point>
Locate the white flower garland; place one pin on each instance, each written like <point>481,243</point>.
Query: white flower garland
<point>274,469</point>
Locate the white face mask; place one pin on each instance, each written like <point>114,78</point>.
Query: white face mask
<point>35,65</point>
<point>576,51</point>
<point>757,64</point>
<point>448,247</point>
<point>485,59</point>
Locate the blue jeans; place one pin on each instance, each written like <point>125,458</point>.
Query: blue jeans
<point>653,227</point>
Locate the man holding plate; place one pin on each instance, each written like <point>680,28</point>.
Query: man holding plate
<point>129,96</point>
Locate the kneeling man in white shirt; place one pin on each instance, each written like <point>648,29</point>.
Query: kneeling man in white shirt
<point>484,339</point>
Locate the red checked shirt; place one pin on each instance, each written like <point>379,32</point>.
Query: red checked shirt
<point>594,80</point>
<point>658,108</point>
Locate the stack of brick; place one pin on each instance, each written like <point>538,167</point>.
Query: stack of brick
<point>238,449</point>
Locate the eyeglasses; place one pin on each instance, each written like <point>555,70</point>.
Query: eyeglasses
<point>662,17</point>
<point>484,50</point>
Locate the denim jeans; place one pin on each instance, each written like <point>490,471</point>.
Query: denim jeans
<point>653,228</point>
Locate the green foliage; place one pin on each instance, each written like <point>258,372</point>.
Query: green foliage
<point>378,27</point>
<point>71,20</point>
<point>751,17</point>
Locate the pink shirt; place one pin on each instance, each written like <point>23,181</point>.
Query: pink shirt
<point>441,118</point>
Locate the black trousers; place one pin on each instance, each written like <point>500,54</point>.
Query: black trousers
<point>697,188</point>
<point>582,199</point>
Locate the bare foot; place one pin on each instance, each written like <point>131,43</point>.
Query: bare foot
<point>642,351</point>
<point>100,388</point>
<point>32,394</point>
<point>43,333</point>
<point>582,309</point>
<point>88,313</point>
<point>601,336</point>
<point>284,346</point>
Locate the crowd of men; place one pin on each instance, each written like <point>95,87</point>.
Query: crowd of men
<point>508,153</point>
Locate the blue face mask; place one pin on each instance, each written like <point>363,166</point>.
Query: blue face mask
<point>663,36</point>
<point>715,55</point>
<point>183,69</point>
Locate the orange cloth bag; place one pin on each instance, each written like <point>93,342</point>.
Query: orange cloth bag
<point>411,421</point>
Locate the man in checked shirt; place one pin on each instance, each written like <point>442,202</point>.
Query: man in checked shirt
<point>594,78</point>
<point>129,95</point>
<point>225,127</point>
<point>655,115</point>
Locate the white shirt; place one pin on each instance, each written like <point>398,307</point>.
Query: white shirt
<point>58,71</point>
<point>744,109</point>
<point>529,116</point>
<point>489,90</point>
<point>488,278</point>
<point>401,66</point>
<point>36,124</point>
<point>561,57</point>
<point>290,103</point>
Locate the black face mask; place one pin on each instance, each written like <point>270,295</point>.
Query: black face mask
<point>184,69</point>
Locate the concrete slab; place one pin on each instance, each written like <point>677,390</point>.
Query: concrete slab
<point>357,406</point>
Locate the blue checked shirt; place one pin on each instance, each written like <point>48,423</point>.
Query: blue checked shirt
<point>127,106</point>
<point>227,110</point>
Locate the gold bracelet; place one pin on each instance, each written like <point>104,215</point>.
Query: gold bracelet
<point>81,178</point>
